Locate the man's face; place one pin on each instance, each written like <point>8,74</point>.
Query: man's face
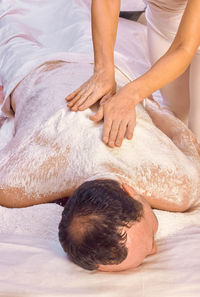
<point>140,240</point>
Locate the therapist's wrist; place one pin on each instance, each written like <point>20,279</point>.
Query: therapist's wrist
<point>107,68</point>
<point>134,93</point>
<point>138,90</point>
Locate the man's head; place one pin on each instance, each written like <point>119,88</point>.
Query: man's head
<point>104,228</point>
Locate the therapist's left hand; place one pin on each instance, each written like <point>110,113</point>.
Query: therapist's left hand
<point>119,116</point>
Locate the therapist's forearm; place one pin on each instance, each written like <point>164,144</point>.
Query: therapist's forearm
<point>165,70</point>
<point>105,16</point>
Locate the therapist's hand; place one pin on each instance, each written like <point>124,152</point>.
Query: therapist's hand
<point>101,85</point>
<point>119,116</point>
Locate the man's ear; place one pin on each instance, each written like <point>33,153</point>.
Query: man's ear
<point>128,189</point>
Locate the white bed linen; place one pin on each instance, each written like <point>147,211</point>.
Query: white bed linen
<point>27,41</point>
<point>32,262</point>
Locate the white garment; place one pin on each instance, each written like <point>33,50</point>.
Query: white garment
<point>164,16</point>
<point>182,95</point>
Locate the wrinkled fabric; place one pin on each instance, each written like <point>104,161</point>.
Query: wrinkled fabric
<point>30,35</point>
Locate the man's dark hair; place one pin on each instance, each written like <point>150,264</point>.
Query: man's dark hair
<point>90,231</point>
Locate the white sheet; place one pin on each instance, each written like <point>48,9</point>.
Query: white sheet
<point>28,41</point>
<point>32,262</point>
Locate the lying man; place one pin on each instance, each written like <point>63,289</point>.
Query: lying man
<point>108,223</point>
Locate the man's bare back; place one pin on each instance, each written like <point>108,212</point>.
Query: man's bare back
<point>54,150</point>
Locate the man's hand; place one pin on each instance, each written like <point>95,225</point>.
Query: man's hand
<point>101,85</point>
<point>119,116</point>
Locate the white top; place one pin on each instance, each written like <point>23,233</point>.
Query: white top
<point>170,5</point>
<point>164,16</point>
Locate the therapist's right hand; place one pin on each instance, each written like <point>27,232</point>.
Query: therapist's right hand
<point>100,85</point>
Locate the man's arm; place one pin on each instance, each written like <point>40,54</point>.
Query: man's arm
<point>184,184</point>
<point>175,129</point>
